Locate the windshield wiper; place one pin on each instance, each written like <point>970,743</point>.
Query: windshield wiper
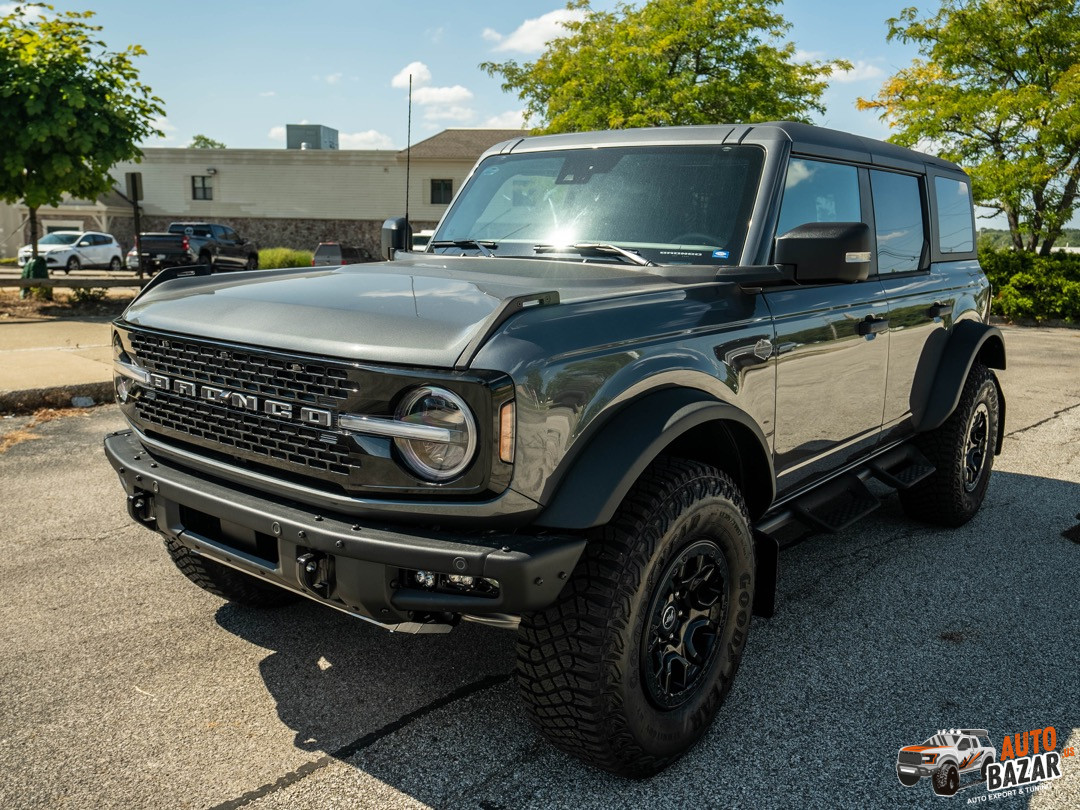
<point>485,246</point>
<point>598,248</point>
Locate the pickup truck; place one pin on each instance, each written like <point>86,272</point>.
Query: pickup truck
<point>216,246</point>
<point>627,367</point>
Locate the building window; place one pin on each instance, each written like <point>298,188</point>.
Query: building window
<point>201,189</point>
<point>441,191</point>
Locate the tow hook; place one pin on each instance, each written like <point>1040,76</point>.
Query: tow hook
<point>315,573</point>
<point>141,508</point>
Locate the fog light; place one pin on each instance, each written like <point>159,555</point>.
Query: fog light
<point>461,580</point>
<point>123,392</point>
<point>425,579</point>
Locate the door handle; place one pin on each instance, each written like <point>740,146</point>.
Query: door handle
<point>873,326</point>
<point>938,309</point>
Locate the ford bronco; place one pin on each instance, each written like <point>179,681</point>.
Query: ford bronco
<point>627,367</point>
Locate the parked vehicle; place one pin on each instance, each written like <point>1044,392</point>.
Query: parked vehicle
<point>421,238</point>
<point>216,246</point>
<point>71,250</point>
<point>132,259</point>
<point>334,253</point>
<point>628,367</point>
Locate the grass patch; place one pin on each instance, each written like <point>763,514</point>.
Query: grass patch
<point>271,258</point>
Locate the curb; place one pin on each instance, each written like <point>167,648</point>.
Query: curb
<point>59,396</point>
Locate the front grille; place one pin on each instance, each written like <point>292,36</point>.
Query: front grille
<point>910,758</point>
<point>253,434</point>
<point>241,370</point>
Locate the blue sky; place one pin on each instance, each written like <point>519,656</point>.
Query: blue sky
<point>239,70</point>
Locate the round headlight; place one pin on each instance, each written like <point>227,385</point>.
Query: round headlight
<point>438,460</point>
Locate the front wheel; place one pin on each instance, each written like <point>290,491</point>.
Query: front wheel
<point>222,581</point>
<point>946,780</point>
<point>72,264</point>
<point>252,262</point>
<point>629,666</point>
<point>962,450</point>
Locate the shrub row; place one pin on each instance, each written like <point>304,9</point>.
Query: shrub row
<point>270,258</point>
<point>1030,287</point>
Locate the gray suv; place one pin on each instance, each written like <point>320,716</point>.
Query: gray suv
<point>626,369</point>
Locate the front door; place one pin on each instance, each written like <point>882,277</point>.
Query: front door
<point>832,343</point>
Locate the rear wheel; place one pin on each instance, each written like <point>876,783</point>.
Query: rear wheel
<point>115,263</point>
<point>627,669</point>
<point>207,260</point>
<point>962,450</point>
<point>225,582</point>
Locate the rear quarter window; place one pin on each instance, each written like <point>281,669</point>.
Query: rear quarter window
<point>955,220</point>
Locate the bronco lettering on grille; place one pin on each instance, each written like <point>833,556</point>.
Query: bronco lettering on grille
<point>317,417</point>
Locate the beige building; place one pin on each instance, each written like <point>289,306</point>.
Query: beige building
<point>284,197</point>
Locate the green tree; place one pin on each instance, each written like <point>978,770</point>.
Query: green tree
<point>69,108</point>
<point>668,62</point>
<point>997,88</point>
<point>205,142</point>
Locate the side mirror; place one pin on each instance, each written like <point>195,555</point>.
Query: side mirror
<point>826,252</point>
<point>396,235</point>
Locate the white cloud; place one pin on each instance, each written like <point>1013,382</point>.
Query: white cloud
<point>370,139</point>
<point>442,95</point>
<point>8,8</point>
<point>268,94</point>
<point>511,119</point>
<point>162,123</point>
<point>332,78</point>
<point>808,56</point>
<point>453,112</point>
<point>861,71</point>
<point>276,134</point>
<point>532,35</point>
<point>421,75</point>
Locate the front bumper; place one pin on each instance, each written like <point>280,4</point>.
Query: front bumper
<point>922,771</point>
<point>359,568</point>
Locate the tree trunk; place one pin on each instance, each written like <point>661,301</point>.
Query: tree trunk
<point>33,233</point>
<point>1014,229</point>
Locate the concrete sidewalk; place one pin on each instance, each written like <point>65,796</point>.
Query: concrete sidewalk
<point>46,363</point>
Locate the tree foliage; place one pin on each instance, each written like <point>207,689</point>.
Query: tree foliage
<point>69,108</point>
<point>997,89</point>
<point>205,142</point>
<point>668,62</point>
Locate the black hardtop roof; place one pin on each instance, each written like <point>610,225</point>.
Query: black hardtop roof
<point>805,139</point>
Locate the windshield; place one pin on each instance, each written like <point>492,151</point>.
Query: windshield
<point>59,239</point>
<point>670,204</point>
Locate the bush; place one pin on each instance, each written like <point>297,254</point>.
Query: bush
<point>270,258</point>
<point>1039,288</point>
<point>86,296</point>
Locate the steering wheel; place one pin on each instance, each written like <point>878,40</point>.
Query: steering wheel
<point>695,238</point>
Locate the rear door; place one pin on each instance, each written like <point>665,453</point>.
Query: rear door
<point>832,358</point>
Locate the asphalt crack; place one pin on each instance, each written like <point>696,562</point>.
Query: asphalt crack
<point>356,746</point>
<point>1050,418</point>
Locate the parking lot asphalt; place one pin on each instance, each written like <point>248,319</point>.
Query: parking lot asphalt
<point>122,685</point>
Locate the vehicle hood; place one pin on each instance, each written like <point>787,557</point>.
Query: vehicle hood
<point>921,748</point>
<point>42,249</point>
<point>418,310</point>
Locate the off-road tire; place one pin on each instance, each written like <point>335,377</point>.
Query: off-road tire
<point>946,780</point>
<point>907,779</point>
<point>943,498</point>
<point>580,663</point>
<point>225,582</point>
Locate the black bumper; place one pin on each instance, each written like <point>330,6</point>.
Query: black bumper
<point>361,569</point>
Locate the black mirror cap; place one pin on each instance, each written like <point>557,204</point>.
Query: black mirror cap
<point>826,252</point>
<point>396,235</point>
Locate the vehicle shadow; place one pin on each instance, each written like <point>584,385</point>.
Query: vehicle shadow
<point>883,634</point>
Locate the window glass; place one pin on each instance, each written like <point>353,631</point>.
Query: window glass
<point>956,232</point>
<point>442,191</point>
<point>898,216</point>
<point>201,188</point>
<point>819,192</point>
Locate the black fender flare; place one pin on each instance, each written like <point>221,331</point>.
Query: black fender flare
<point>970,341</point>
<point>618,451</point>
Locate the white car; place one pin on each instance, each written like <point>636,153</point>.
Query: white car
<point>70,250</point>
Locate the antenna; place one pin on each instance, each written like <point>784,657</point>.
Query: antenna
<point>408,156</point>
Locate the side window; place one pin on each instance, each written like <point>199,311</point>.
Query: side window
<point>230,235</point>
<point>819,192</point>
<point>217,230</point>
<point>956,230</point>
<point>898,214</point>
<point>964,745</point>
